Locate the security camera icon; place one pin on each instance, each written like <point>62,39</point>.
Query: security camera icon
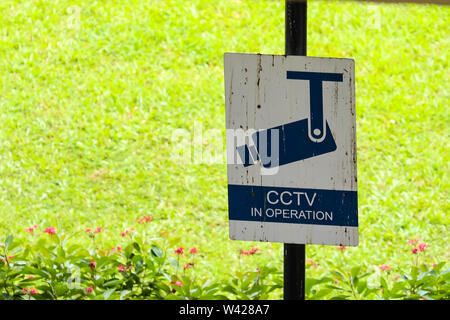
<point>297,140</point>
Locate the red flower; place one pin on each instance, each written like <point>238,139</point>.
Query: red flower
<point>31,229</point>
<point>177,283</point>
<point>116,248</point>
<point>92,265</point>
<point>190,264</point>
<point>414,251</point>
<point>179,250</point>
<point>98,230</point>
<point>253,250</point>
<point>33,291</point>
<point>145,219</point>
<point>122,268</point>
<point>30,276</point>
<point>193,250</point>
<point>341,248</point>
<point>126,232</point>
<point>24,290</point>
<point>88,230</point>
<point>10,257</point>
<point>89,289</point>
<point>423,246</point>
<point>50,230</point>
<point>385,267</point>
<point>245,253</point>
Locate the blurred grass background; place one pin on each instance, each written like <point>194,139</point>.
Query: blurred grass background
<point>92,91</point>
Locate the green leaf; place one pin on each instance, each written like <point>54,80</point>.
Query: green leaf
<point>156,252</point>
<point>322,293</point>
<point>173,262</point>
<point>9,239</point>
<point>340,297</point>
<point>355,271</point>
<point>136,246</point>
<point>361,287</point>
<point>108,293</point>
<point>112,283</point>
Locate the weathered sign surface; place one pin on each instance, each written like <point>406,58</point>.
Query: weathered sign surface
<point>291,149</point>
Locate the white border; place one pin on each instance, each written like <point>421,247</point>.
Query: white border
<point>293,233</point>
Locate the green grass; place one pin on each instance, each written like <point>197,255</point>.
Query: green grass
<point>91,92</point>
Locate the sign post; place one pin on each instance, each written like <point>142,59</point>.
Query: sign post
<point>291,149</point>
<point>294,254</point>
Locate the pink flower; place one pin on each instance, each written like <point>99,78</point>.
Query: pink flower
<point>423,246</point>
<point>177,283</point>
<point>89,289</point>
<point>24,290</point>
<point>92,265</point>
<point>385,267</point>
<point>396,277</point>
<point>193,250</point>
<point>434,265</point>
<point>88,230</point>
<point>30,276</point>
<point>414,251</point>
<point>123,268</point>
<point>179,250</point>
<point>116,248</point>
<point>245,253</point>
<point>98,230</point>
<point>50,230</point>
<point>253,250</point>
<point>190,264</point>
<point>31,229</point>
<point>414,241</point>
<point>33,291</point>
<point>10,257</point>
<point>145,219</point>
<point>126,232</point>
<point>163,233</point>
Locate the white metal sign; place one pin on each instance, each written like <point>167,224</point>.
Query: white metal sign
<point>291,149</point>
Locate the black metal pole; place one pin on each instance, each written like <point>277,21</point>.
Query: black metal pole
<point>294,254</point>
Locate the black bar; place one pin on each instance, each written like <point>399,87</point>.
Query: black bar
<point>294,254</point>
<point>295,28</point>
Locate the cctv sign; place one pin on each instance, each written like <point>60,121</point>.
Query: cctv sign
<point>291,149</point>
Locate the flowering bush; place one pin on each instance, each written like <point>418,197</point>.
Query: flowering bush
<point>53,268</point>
